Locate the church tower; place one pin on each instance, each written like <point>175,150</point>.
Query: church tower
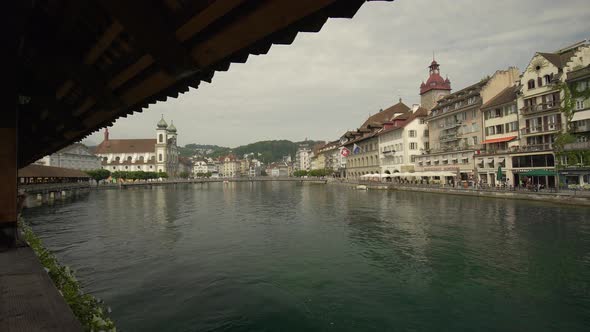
<point>435,87</point>
<point>161,145</point>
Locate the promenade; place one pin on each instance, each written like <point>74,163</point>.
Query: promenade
<point>572,197</point>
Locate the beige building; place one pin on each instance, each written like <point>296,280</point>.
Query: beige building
<point>501,136</point>
<point>540,109</point>
<point>229,166</point>
<point>455,126</point>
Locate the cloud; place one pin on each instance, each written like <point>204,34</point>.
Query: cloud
<point>329,82</point>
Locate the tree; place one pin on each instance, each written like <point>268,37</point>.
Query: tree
<point>300,173</point>
<point>183,175</point>
<point>162,175</point>
<point>99,174</point>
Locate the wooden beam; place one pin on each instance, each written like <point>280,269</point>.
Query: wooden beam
<point>271,17</point>
<point>207,16</point>
<point>152,34</point>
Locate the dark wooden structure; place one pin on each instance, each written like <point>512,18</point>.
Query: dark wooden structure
<point>82,64</point>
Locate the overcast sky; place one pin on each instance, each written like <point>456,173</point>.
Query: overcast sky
<point>328,82</point>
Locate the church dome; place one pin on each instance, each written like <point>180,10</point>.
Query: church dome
<point>171,127</point>
<point>162,124</point>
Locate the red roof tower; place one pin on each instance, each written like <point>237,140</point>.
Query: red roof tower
<point>435,81</point>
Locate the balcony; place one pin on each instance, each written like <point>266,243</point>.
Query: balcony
<point>544,107</point>
<point>577,146</point>
<point>452,125</point>
<point>388,153</point>
<point>541,129</point>
<point>535,147</point>
<point>448,137</point>
<point>580,127</point>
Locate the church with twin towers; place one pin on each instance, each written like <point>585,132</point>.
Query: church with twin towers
<point>159,154</point>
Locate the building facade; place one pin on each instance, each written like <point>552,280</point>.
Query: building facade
<point>303,158</point>
<point>75,156</point>
<point>455,126</point>
<point>501,137</point>
<point>148,155</point>
<point>229,166</point>
<point>402,140</point>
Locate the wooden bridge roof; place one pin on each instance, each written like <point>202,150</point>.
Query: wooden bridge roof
<point>83,64</point>
<point>40,171</point>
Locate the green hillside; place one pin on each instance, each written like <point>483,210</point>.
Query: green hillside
<point>266,151</point>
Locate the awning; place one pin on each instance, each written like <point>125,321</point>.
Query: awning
<point>498,140</point>
<point>582,115</point>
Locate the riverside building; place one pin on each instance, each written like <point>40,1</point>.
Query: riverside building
<point>401,140</point>
<point>455,126</point>
<point>541,115</point>
<point>363,143</point>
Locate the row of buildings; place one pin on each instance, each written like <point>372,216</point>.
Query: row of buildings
<point>508,120</point>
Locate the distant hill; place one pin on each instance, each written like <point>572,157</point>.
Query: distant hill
<point>266,151</point>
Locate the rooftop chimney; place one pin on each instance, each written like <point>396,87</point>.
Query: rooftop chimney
<point>106,134</point>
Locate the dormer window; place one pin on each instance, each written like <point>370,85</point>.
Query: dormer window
<point>531,84</point>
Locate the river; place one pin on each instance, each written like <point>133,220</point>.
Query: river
<point>279,256</point>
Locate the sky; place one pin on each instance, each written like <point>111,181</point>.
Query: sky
<point>329,82</point>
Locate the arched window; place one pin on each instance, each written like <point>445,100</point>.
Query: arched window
<point>160,157</point>
<point>531,84</point>
<point>129,159</point>
<point>160,138</point>
<point>118,159</point>
<point>104,159</point>
<point>141,158</point>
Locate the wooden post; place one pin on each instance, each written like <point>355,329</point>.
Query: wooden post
<point>8,177</point>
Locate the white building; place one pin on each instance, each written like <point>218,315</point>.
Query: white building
<point>303,158</point>
<point>200,167</point>
<point>158,154</point>
<point>75,156</point>
<point>401,140</point>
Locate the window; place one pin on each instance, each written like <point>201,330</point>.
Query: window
<point>581,86</point>
<point>471,100</point>
<point>475,140</point>
<point>539,82</point>
<point>118,159</point>
<point>531,84</point>
<point>426,145</point>
<point>129,159</point>
<point>579,104</point>
<point>413,146</point>
<point>422,121</point>
<point>104,159</point>
<point>547,79</point>
<point>413,158</point>
<point>474,114</point>
<point>160,138</point>
<point>412,133</point>
<point>582,139</point>
<point>160,157</point>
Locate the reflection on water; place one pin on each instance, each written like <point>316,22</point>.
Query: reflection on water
<point>293,257</point>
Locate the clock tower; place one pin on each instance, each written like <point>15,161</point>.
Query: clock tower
<point>435,87</point>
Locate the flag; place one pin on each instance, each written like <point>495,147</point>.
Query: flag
<point>356,149</point>
<point>344,152</point>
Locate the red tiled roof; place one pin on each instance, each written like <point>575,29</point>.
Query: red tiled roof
<point>505,96</point>
<point>421,112</point>
<point>126,146</point>
<point>386,114</point>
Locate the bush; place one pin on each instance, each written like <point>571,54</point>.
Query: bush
<point>89,311</point>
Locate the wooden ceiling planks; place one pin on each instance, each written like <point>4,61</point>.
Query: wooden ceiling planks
<point>136,53</point>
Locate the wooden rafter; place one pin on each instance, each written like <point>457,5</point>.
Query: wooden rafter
<point>152,34</point>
